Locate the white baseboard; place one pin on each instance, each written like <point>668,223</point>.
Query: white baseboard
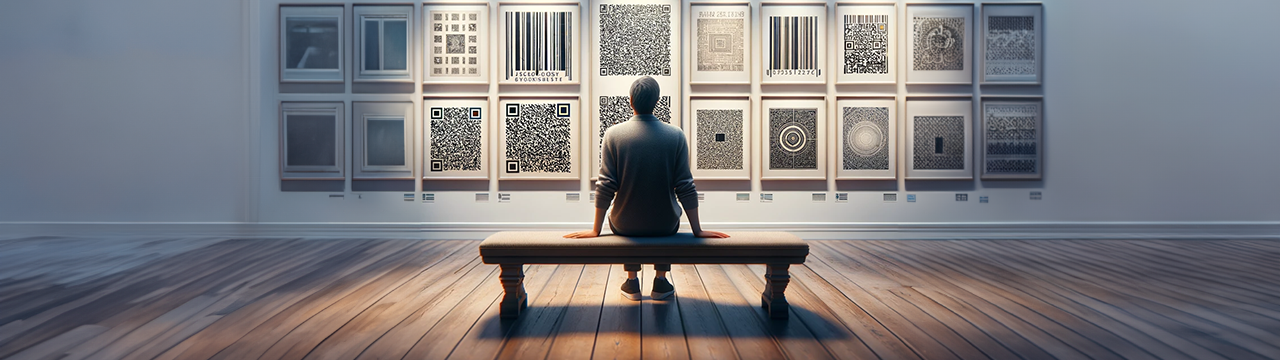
<point>812,230</point>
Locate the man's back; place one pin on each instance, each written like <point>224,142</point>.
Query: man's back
<point>644,167</point>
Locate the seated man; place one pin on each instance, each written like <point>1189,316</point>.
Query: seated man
<point>644,168</point>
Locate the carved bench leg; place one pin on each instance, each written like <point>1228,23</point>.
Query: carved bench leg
<point>514,299</point>
<point>774,301</point>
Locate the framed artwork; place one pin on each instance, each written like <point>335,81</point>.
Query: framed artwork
<point>538,139</point>
<point>868,140</point>
<point>311,44</point>
<point>382,38</point>
<point>383,140</point>
<point>867,51</point>
<point>720,41</point>
<point>941,44</point>
<point>793,139</point>
<point>456,45</point>
<point>939,139</point>
<point>1012,134</point>
<point>719,138</point>
<point>1012,44</point>
<point>456,136</point>
<point>311,140</point>
<point>539,45</point>
<point>794,43</point>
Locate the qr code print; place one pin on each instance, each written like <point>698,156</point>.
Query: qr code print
<point>866,44</point>
<point>938,143</point>
<point>1012,138</point>
<point>455,139</point>
<point>866,137</point>
<point>617,109</point>
<point>635,39</point>
<point>720,44</point>
<point>938,43</point>
<point>793,139</point>
<point>719,139</point>
<point>538,138</point>
<point>454,45</point>
<point>1011,45</point>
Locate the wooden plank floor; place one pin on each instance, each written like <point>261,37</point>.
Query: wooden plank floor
<point>73,298</point>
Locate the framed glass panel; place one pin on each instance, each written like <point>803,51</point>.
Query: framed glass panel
<point>383,140</point>
<point>382,42</point>
<point>311,140</point>
<point>311,44</point>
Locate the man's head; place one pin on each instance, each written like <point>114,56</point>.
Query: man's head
<point>644,95</point>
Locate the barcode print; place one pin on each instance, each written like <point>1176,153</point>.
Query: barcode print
<point>795,43</point>
<point>866,19</point>
<point>539,41</point>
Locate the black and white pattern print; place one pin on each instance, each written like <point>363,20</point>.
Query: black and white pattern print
<point>538,138</point>
<point>866,44</point>
<point>455,43</point>
<point>635,39</point>
<point>793,48</point>
<point>866,138</point>
<point>719,139</point>
<point>1011,133</point>
<point>617,109</point>
<point>720,44</point>
<point>938,43</point>
<point>455,138</point>
<point>539,46</point>
<point>1010,45</point>
<point>938,143</point>
<point>793,139</point>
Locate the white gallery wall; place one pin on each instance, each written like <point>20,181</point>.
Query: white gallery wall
<point>1158,118</point>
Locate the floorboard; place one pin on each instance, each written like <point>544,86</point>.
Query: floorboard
<point>204,298</point>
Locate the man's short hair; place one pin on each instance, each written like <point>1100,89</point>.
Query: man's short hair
<point>644,95</point>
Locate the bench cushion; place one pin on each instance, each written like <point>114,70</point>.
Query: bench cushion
<point>550,247</point>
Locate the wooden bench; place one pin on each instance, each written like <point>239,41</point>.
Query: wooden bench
<point>511,250</point>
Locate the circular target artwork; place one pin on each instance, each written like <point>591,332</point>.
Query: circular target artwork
<point>793,138</point>
<point>866,138</point>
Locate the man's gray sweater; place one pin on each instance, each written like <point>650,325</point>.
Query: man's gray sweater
<point>644,168</point>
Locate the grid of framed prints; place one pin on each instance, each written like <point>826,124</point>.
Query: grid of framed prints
<point>867,138</point>
<point>794,43</point>
<point>538,139</point>
<point>383,140</point>
<point>456,138</point>
<point>720,43</point>
<point>941,44</point>
<point>455,47</point>
<point>719,136</point>
<point>794,139</point>
<point>939,139</point>
<point>539,44</point>
<point>311,140</point>
<point>311,44</point>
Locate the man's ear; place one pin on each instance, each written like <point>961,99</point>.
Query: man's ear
<point>631,103</point>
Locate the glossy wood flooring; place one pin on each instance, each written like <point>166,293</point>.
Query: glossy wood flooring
<point>71,298</point>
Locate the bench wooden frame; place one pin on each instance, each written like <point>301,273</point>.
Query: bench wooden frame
<point>512,250</point>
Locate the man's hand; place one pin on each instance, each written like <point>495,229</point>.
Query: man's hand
<point>584,234</point>
<point>709,234</point>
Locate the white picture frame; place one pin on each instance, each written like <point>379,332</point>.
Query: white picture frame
<point>867,51</point>
<point>1007,134</point>
<point>866,139</point>
<point>711,127</point>
<point>933,33</point>
<point>312,44</point>
<point>718,54</point>
<point>1007,30</point>
<point>383,24</point>
<point>455,47</point>
<point>546,155</point>
<point>567,67</point>
<point>809,64</point>
<point>382,150</point>
<point>311,141</point>
<point>939,139</point>
<point>454,160</point>
<point>793,134</point>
